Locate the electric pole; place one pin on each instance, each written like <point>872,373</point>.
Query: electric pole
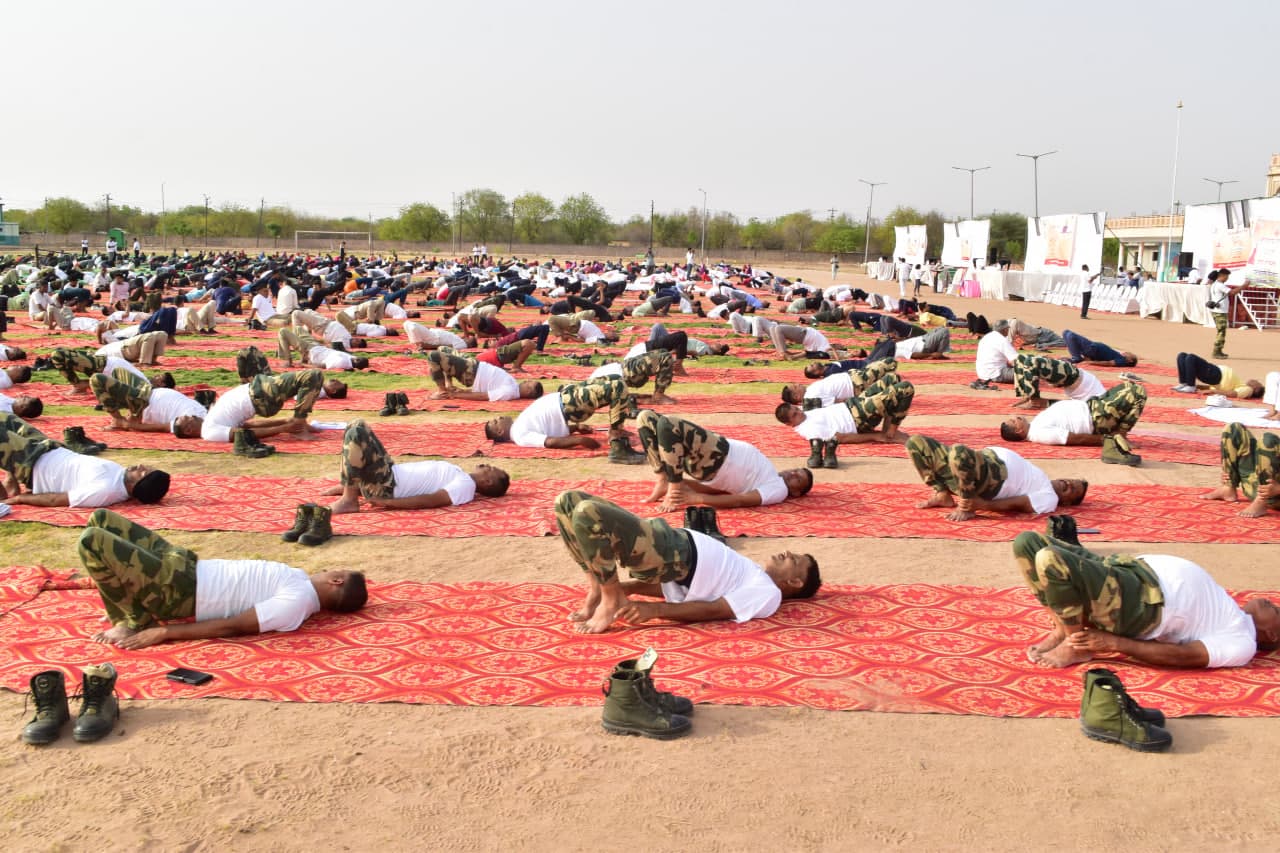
<point>206,220</point>
<point>107,196</point>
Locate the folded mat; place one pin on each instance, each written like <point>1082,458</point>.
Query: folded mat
<point>904,648</point>
<point>1127,513</point>
<point>1250,417</point>
<point>459,440</point>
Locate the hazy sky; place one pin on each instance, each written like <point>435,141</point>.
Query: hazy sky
<point>361,107</point>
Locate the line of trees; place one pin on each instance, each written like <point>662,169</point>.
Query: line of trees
<point>487,216</point>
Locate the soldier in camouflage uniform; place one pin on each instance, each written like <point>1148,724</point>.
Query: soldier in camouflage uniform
<point>577,402</point>
<point>975,479</point>
<point>885,401</point>
<point>658,365</point>
<point>1112,414</point>
<point>126,396</point>
<point>1029,370</point>
<point>271,392</point>
<point>1249,465</point>
<point>144,580</point>
<point>448,366</point>
<point>73,363</point>
<point>859,380</point>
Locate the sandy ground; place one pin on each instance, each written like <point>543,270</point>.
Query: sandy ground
<point>220,774</point>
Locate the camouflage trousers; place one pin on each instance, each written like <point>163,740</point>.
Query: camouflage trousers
<point>366,463</point>
<point>447,366</point>
<point>1029,369</point>
<point>121,392</point>
<point>886,401</point>
<point>960,470</point>
<point>871,374</point>
<point>250,362</point>
<point>290,340</point>
<point>21,446</point>
<point>508,353</point>
<point>657,364</point>
<point>141,578</point>
<point>581,400</point>
<point>1220,323</point>
<point>74,363</point>
<point>270,393</point>
<point>603,537</point>
<point>1118,410</point>
<point>675,447</point>
<point>1249,463</point>
<point>1117,594</point>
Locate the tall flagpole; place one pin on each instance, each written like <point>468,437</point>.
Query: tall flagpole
<point>1173,196</point>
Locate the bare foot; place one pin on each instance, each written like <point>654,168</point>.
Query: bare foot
<point>1050,642</point>
<point>602,619</point>
<point>677,496</point>
<point>1258,508</point>
<point>960,515</point>
<point>588,608</point>
<point>659,489</point>
<point>1064,655</point>
<point>1222,493</point>
<point>332,491</point>
<point>114,634</point>
<point>938,499</point>
<point>662,400</point>
<point>344,506</point>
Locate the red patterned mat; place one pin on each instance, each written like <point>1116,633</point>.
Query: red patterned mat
<point>917,648</point>
<point>458,440</point>
<point>1126,513</point>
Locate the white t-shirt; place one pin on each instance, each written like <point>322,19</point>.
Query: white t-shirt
<point>1086,386</point>
<point>903,350</point>
<point>114,362</point>
<point>835,388</point>
<point>724,573</point>
<point>746,469</point>
<point>82,324</point>
<point>426,478</point>
<point>286,300</point>
<point>263,308</point>
<point>613,368</point>
<point>1218,293</point>
<point>1086,282</point>
<point>167,405</point>
<point>590,332</point>
<point>87,480</point>
<point>335,332</point>
<point>371,330</point>
<point>1025,479</point>
<point>282,596</point>
<point>232,409</point>
<point>815,341</point>
<point>114,349</point>
<point>431,336</point>
<point>1197,608</point>
<point>5,381</point>
<point>6,404</point>
<point>329,359</point>
<point>994,354</point>
<point>639,349</point>
<point>542,420</point>
<point>826,422</point>
<point>495,382</point>
<point>1054,424</point>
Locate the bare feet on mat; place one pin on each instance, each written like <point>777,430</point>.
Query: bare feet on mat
<point>114,634</point>
<point>1257,508</point>
<point>588,608</point>
<point>1063,655</point>
<point>1050,642</point>
<point>345,505</point>
<point>1222,493</point>
<point>937,499</point>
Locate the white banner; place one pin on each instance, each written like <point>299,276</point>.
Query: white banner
<point>1242,236</point>
<point>1065,243</point>
<point>910,242</point>
<point>965,241</point>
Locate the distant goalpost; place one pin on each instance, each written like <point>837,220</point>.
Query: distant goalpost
<point>334,238</point>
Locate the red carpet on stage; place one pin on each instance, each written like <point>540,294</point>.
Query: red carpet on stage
<point>917,648</point>
<point>1128,513</point>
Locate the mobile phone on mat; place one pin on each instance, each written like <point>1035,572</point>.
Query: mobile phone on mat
<point>189,676</point>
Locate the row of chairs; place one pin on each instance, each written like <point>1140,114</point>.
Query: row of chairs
<point>1110,298</point>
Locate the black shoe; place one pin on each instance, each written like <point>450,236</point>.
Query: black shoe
<point>301,521</point>
<point>1063,527</point>
<point>206,397</point>
<point>402,403</point>
<point>708,523</point>
<point>100,708</point>
<point>49,690</point>
<point>75,440</point>
<point>389,405</point>
<point>829,454</point>
<point>320,530</point>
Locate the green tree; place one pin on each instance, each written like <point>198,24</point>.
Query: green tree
<point>65,215</point>
<point>421,223</point>
<point>275,229</point>
<point>483,213</point>
<point>798,229</point>
<point>1008,233</point>
<point>761,235</point>
<point>842,236</point>
<point>532,212</point>
<point>671,229</point>
<point>583,220</point>
<point>723,231</point>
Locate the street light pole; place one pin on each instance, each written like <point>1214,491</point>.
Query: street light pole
<point>206,220</point>
<point>1035,160</point>
<point>866,245</point>
<point>1219,183</point>
<point>1173,199</point>
<point>704,225</point>
<point>971,173</point>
